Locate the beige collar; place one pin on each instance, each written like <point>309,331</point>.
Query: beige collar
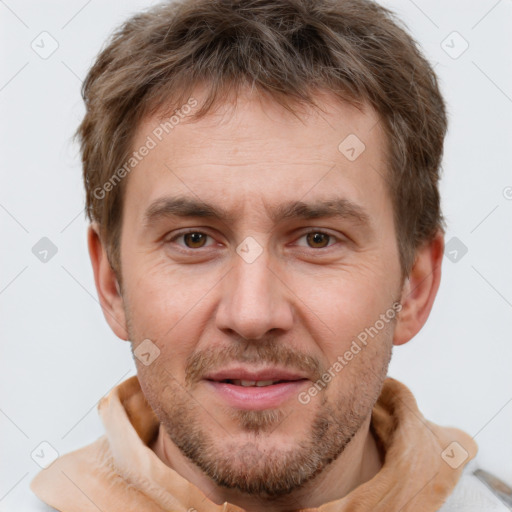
<point>119,472</point>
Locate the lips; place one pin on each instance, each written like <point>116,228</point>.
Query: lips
<point>246,388</point>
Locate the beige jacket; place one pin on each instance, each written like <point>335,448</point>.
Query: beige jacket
<point>120,473</point>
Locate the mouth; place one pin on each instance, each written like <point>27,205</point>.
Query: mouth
<point>248,389</point>
<point>252,383</point>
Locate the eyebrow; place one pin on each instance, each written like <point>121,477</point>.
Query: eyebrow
<point>183,207</point>
<point>190,207</point>
<point>337,207</point>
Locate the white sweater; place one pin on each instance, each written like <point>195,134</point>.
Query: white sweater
<point>472,495</point>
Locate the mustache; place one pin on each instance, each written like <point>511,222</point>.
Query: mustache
<point>257,353</point>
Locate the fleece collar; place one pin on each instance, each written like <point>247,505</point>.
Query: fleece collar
<point>120,473</point>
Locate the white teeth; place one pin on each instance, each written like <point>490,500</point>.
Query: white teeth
<point>247,383</point>
<point>264,383</point>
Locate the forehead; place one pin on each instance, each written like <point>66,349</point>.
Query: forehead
<point>254,150</point>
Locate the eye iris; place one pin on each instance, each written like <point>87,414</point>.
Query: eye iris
<point>195,240</point>
<point>318,239</point>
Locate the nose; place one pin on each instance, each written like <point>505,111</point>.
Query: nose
<point>254,300</point>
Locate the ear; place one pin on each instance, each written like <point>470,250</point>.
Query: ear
<point>420,290</point>
<point>108,288</point>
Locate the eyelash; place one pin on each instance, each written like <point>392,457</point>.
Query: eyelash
<point>316,231</point>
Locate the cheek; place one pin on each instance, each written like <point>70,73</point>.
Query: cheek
<point>163,299</point>
<point>170,308</point>
<point>337,306</point>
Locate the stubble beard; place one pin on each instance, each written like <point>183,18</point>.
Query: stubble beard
<point>256,466</point>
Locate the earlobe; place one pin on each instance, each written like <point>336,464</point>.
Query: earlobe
<point>107,286</point>
<point>419,290</point>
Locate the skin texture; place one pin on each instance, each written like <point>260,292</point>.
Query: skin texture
<point>299,305</point>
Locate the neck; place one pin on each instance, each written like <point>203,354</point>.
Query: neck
<point>359,462</point>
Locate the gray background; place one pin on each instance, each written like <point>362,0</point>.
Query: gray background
<point>58,356</point>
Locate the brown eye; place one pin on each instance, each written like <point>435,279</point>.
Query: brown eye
<point>194,240</point>
<point>317,240</point>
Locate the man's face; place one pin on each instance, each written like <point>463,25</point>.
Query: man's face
<point>302,260</point>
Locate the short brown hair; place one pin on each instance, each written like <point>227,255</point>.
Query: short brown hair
<point>287,49</point>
